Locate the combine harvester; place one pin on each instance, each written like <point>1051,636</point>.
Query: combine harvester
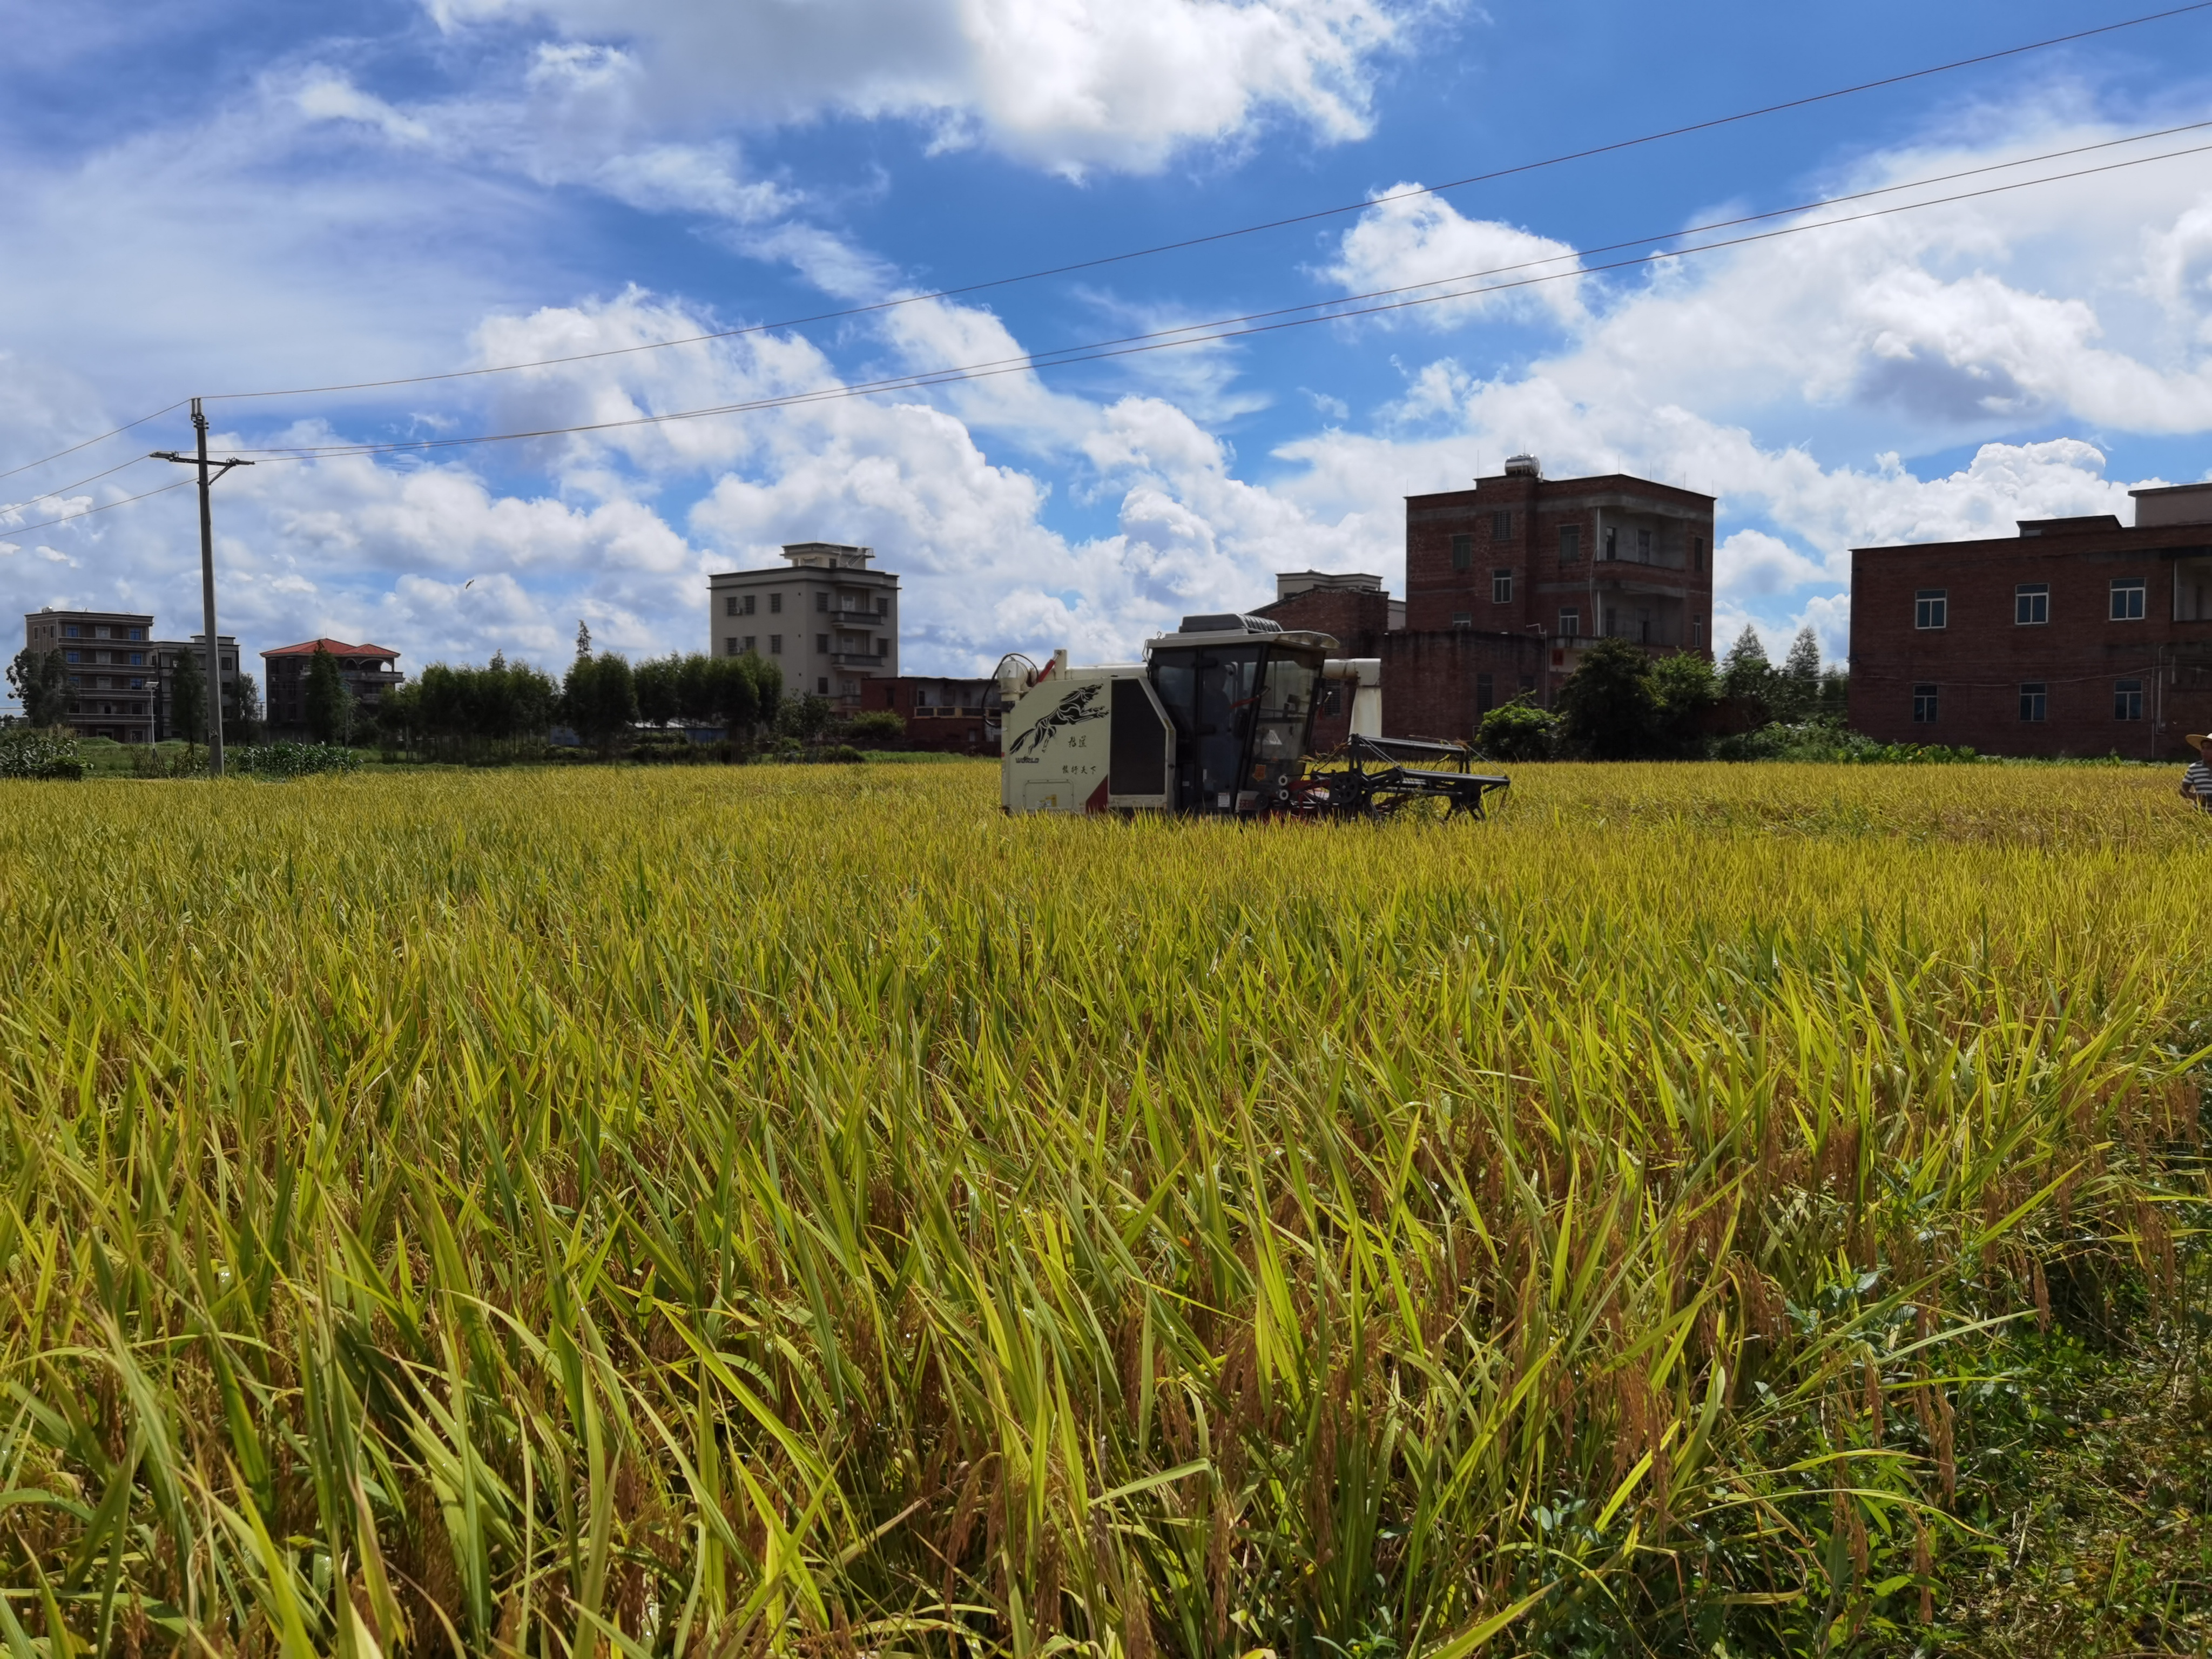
<point>1217,720</point>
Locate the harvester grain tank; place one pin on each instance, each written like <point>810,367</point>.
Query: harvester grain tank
<point>1217,720</point>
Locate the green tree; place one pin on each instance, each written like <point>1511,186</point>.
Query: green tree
<point>241,708</point>
<point>41,680</point>
<point>1609,708</point>
<point>659,683</point>
<point>806,717</point>
<point>1748,678</point>
<point>1687,689</point>
<point>1836,696</point>
<point>599,699</point>
<point>1797,688</point>
<point>329,704</point>
<point>768,687</point>
<point>188,698</point>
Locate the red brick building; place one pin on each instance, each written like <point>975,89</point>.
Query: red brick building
<point>953,717</point>
<point>367,670</point>
<point>2075,636</point>
<point>1508,583</point>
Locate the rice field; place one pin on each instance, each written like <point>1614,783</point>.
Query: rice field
<point>801,1210</point>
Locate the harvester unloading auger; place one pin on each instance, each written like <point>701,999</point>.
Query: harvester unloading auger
<point>1218,720</point>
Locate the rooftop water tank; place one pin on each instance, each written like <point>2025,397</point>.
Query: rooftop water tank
<point>1522,466</point>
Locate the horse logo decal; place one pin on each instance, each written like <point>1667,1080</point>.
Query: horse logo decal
<point>1079,705</point>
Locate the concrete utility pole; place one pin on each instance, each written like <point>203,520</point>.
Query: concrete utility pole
<point>207,578</point>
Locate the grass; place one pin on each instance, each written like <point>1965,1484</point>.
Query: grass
<point>799,1209</point>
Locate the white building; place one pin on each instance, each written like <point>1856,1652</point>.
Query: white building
<point>824,617</point>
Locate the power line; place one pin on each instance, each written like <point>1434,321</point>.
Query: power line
<point>1226,236</point>
<point>60,490</point>
<point>106,506</point>
<point>118,432</point>
<point>1253,322</point>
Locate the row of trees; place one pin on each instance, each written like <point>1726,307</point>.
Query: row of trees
<point>1622,703</point>
<point>502,709</point>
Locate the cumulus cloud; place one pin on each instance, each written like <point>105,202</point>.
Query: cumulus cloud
<point>1405,239</point>
<point>1068,85</point>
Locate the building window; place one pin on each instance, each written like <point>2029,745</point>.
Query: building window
<point>883,646</point>
<point>2030,604</point>
<point>69,631</point>
<point>2127,700</point>
<point>1697,552</point>
<point>137,634</point>
<point>1462,552</point>
<point>138,658</point>
<point>883,607</point>
<point>1571,622</point>
<point>1501,526</point>
<point>1611,543</point>
<point>1644,547</point>
<point>730,605</point>
<point>1923,705</point>
<point>2127,599</point>
<point>775,604</point>
<point>1486,696</point>
<point>1697,628</point>
<point>72,656</point>
<point>822,645</point>
<point>2034,700</point>
<point>1931,607</point>
<point>1501,587</point>
<point>752,603</point>
<point>1570,543</point>
<point>99,630</point>
<point>821,684</point>
<point>730,645</point>
<point>821,600</point>
<point>749,641</point>
<point>1463,619</point>
<point>776,645</point>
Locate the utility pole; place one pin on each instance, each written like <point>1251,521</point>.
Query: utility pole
<point>207,577</point>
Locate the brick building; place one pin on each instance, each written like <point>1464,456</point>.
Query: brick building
<point>951,716</point>
<point>104,658</point>
<point>163,655</point>
<point>367,670</point>
<point>2074,636</point>
<point>1508,583</point>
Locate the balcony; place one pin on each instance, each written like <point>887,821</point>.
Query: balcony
<point>860,659</point>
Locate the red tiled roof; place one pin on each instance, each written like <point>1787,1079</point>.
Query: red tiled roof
<point>336,648</point>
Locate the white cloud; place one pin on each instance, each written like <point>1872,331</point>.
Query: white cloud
<point>1407,239</point>
<point>1067,85</point>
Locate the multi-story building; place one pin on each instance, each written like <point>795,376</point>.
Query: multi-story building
<point>1507,584</point>
<point>824,617</point>
<point>164,655</point>
<point>2074,636</point>
<point>367,670</point>
<point>108,660</point>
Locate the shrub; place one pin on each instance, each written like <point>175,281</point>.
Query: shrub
<point>33,752</point>
<point>877,728</point>
<point>1517,730</point>
<point>842,753</point>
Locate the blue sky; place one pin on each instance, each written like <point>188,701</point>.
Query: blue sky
<point>243,197</point>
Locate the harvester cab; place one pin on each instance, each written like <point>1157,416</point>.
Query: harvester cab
<point>1218,720</point>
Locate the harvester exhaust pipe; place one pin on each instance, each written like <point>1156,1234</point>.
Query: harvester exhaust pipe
<point>1366,673</point>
